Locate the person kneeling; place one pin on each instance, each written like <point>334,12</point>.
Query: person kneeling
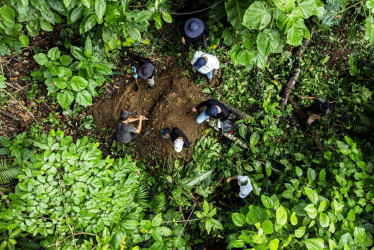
<point>177,136</point>
<point>126,132</point>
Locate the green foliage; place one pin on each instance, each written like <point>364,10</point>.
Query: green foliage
<point>116,23</point>
<point>76,78</point>
<point>7,172</point>
<point>311,219</point>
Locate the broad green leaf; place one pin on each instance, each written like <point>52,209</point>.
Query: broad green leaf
<point>77,52</point>
<point>54,54</point>
<point>281,216</point>
<point>237,243</point>
<point>274,243</point>
<point>311,211</point>
<point>235,10</point>
<point>24,3</point>
<point>192,181</point>
<point>314,244</point>
<point>46,26</point>
<point>268,202</point>
<point>244,57</point>
<point>84,98</point>
<point>88,47</point>
<point>157,18</point>
<point>103,69</point>
<point>66,60</point>
<point>351,215</point>
<point>268,41</point>
<point>75,14</point>
<point>166,16</point>
<point>164,231</point>
<point>295,33</point>
<point>41,58</point>
<point>257,16</point>
<point>300,232</point>
<point>324,220</point>
<point>332,244</point>
<point>267,226</point>
<point>268,168</point>
<point>130,224</point>
<point>157,220</point>
<point>256,215</point>
<point>134,33</point>
<point>312,195</point>
<point>24,40</point>
<point>285,5</point>
<point>299,171</point>
<point>78,83</point>
<point>369,29</point>
<point>206,207</point>
<point>308,8</point>
<point>8,15</point>
<point>255,137</point>
<point>238,219</point>
<point>100,7</point>
<point>294,219</point>
<point>323,205</point>
<point>3,85</point>
<point>88,23</point>
<point>157,236</point>
<point>60,83</point>
<point>65,98</point>
<point>359,235</point>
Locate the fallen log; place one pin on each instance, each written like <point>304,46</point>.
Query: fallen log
<point>229,136</point>
<point>10,115</point>
<point>291,82</point>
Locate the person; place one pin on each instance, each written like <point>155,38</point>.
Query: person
<point>214,109</point>
<point>318,109</point>
<point>206,64</point>
<point>146,70</point>
<point>126,132</point>
<point>177,136</point>
<point>193,31</point>
<point>244,184</point>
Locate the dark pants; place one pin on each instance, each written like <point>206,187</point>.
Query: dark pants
<point>137,136</point>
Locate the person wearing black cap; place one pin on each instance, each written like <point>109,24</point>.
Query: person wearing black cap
<point>318,109</point>
<point>145,70</point>
<point>193,31</point>
<point>177,136</point>
<point>126,132</point>
<point>214,109</point>
<point>206,64</point>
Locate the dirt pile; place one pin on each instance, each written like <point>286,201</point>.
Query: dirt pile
<point>168,105</point>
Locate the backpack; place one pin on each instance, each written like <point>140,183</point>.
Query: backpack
<point>229,126</point>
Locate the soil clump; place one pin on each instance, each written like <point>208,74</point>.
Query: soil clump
<point>168,105</point>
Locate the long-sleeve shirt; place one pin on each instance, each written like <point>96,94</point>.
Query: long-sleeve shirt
<point>198,38</point>
<point>210,65</point>
<point>141,61</point>
<point>316,108</point>
<point>175,133</point>
<point>223,115</point>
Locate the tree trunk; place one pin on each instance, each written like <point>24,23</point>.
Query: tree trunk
<point>291,82</point>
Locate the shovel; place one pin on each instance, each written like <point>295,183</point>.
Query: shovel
<point>137,84</point>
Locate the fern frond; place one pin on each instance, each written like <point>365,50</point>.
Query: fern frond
<point>158,203</point>
<point>363,125</point>
<point>8,173</point>
<point>141,197</point>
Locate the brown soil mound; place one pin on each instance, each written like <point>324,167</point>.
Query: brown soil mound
<point>168,105</point>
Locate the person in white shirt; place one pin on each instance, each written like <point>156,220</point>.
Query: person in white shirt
<point>206,64</point>
<point>244,184</point>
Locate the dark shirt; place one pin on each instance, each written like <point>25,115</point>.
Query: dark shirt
<point>198,38</point>
<point>141,61</point>
<point>175,133</point>
<point>124,132</point>
<point>316,107</point>
<point>225,113</point>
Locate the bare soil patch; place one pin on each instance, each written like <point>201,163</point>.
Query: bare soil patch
<point>168,105</point>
